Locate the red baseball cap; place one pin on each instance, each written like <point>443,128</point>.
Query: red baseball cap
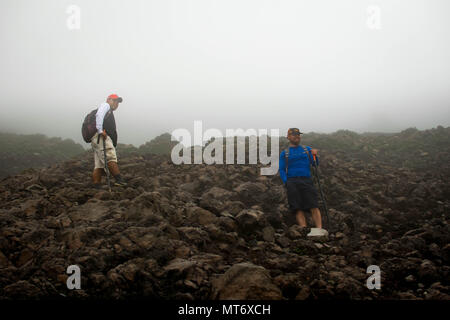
<point>115,97</point>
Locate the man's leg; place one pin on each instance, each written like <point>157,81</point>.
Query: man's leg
<point>113,168</point>
<point>98,166</point>
<point>97,176</point>
<point>300,216</point>
<point>315,213</point>
<point>112,163</point>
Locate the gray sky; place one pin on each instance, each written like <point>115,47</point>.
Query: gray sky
<point>230,63</point>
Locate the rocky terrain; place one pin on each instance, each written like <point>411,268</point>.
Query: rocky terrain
<point>224,232</point>
<point>22,151</point>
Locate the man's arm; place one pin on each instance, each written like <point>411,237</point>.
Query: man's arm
<point>100,116</point>
<point>282,167</point>
<point>311,157</point>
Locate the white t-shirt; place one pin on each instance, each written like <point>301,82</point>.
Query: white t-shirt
<point>100,116</point>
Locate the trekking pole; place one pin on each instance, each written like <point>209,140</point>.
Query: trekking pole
<point>106,165</point>
<point>321,192</point>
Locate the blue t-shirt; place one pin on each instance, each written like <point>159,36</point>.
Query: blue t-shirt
<point>298,163</point>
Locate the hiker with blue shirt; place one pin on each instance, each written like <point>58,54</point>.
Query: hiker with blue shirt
<point>295,172</point>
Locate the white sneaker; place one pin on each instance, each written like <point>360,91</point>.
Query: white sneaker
<point>317,232</point>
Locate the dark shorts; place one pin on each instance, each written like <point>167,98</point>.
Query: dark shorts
<point>301,193</point>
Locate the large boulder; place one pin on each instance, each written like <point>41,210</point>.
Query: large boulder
<point>244,281</point>
<point>22,290</point>
<point>200,215</point>
<point>252,193</point>
<point>214,199</point>
<point>92,211</point>
<point>250,221</point>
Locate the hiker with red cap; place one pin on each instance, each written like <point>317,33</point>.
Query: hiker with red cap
<point>295,172</point>
<point>101,125</point>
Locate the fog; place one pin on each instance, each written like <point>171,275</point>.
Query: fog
<point>317,65</point>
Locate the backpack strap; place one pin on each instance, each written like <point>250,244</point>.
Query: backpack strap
<point>307,152</point>
<point>286,157</point>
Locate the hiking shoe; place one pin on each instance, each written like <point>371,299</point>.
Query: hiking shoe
<point>96,186</point>
<point>120,182</point>
<point>318,232</point>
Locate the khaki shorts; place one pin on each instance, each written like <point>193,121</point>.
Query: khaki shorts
<point>99,157</point>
